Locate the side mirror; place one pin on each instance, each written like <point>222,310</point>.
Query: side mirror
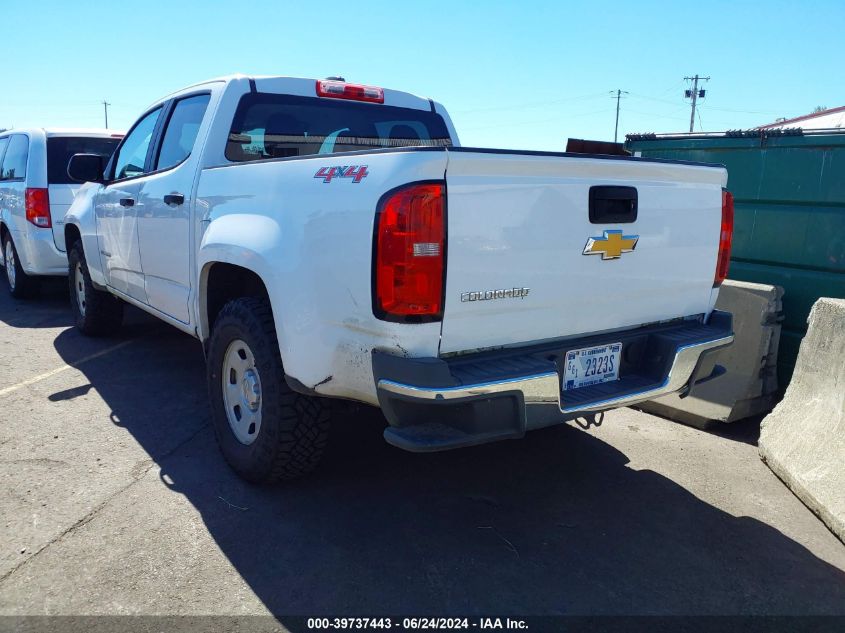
<point>86,168</point>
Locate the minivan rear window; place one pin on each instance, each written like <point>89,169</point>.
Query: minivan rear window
<point>60,149</point>
<point>15,159</point>
<point>280,126</point>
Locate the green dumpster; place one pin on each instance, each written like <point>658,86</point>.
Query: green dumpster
<point>789,228</point>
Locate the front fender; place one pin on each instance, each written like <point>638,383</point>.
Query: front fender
<point>82,215</point>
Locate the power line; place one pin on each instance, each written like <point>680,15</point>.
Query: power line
<point>619,94</point>
<point>76,104</point>
<point>709,107</point>
<point>647,98</point>
<point>534,104</point>
<point>635,95</point>
<point>673,88</point>
<point>695,94</point>
<point>659,116</point>
<point>536,121</point>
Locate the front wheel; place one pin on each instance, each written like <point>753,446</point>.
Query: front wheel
<point>266,431</point>
<point>21,285</point>
<point>96,312</point>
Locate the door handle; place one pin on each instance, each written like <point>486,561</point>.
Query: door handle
<point>174,199</point>
<point>127,202</point>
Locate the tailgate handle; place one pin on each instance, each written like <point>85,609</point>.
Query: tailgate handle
<point>610,204</point>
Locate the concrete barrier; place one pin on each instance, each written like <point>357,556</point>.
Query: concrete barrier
<point>803,439</point>
<point>749,385</point>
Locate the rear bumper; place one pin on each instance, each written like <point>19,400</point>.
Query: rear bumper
<point>38,253</point>
<point>436,404</point>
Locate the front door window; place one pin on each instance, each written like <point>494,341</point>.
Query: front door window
<point>132,155</point>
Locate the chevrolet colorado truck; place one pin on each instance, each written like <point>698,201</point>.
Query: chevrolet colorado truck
<point>331,240</point>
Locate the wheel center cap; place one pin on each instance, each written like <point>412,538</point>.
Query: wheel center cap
<point>251,390</point>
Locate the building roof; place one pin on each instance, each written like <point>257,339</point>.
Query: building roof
<point>825,119</point>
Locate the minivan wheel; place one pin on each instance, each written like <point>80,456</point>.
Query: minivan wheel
<point>266,431</point>
<point>95,312</point>
<point>21,285</point>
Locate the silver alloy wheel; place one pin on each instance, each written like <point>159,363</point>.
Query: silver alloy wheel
<point>10,263</point>
<point>241,391</point>
<point>79,286</point>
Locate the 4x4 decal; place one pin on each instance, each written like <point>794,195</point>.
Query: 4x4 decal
<point>356,172</point>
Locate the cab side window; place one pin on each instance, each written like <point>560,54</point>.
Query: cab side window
<point>132,155</point>
<point>14,162</point>
<point>181,131</point>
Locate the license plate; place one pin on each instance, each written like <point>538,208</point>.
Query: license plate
<point>591,366</point>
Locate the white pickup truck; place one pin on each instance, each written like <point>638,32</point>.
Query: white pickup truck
<point>331,240</point>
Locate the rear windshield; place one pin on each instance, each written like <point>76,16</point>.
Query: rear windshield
<point>281,126</point>
<point>60,149</point>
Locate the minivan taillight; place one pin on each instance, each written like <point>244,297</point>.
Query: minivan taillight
<point>38,207</point>
<point>723,262</point>
<point>409,261</point>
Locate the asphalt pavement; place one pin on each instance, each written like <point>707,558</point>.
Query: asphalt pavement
<point>115,500</point>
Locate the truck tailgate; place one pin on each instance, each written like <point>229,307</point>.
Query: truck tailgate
<point>518,225</point>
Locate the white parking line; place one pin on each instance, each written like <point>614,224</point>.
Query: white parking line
<point>58,370</point>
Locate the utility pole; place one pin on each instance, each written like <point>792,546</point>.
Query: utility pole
<point>619,94</point>
<point>106,112</point>
<point>694,94</point>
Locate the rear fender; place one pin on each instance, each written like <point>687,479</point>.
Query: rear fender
<point>244,240</point>
<point>310,242</point>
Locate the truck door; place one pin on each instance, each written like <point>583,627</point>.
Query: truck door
<point>117,208</point>
<point>164,224</point>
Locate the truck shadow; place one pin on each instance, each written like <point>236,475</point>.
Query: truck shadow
<point>554,524</point>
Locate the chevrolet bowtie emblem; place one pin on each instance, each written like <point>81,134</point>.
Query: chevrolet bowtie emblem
<point>611,245</point>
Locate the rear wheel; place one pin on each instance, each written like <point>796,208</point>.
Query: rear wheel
<point>96,312</point>
<point>21,285</point>
<point>266,431</point>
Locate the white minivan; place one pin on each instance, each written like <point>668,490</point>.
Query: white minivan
<point>35,193</point>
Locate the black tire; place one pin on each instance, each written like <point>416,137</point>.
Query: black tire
<point>21,285</point>
<point>294,427</point>
<point>102,313</point>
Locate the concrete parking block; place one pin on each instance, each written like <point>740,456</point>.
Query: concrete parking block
<point>803,439</point>
<point>749,386</point>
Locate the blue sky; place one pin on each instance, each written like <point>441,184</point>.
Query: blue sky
<point>513,74</point>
